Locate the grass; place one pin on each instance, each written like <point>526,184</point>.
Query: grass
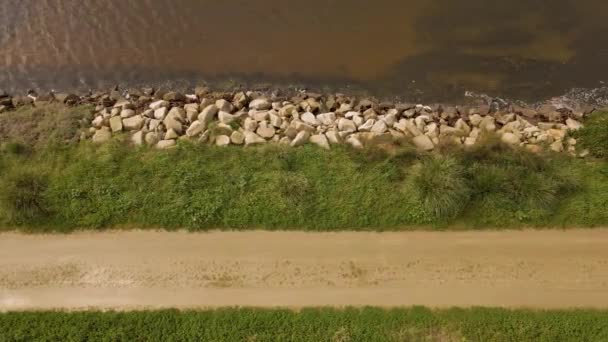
<point>50,185</point>
<point>201,187</point>
<point>367,324</point>
<point>594,135</point>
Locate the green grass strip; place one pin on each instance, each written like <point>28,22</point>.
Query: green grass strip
<point>368,324</point>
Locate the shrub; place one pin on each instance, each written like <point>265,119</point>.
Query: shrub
<point>22,197</point>
<point>594,135</point>
<point>441,186</point>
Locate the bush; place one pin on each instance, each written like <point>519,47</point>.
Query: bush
<point>440,184</point>
<point>22,197</point>
<point>594,135</point>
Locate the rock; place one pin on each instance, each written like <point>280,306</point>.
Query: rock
<point>545,126</point>
<point>134,123</point>
<point>462,126</point>
<point>301,126</point>
<point>259,116</point>
<point>250,125</point>
<point>310,119</point>
<point>534,148</point>
<point>327,119</point>
<point>310,105</point>
<point>333,137</point>
<point>260,104</point>
<point>423,142</point>
<point>488,124</point>
<point>97,122</point>
<point>192,111</point>
<point>573,125</point>
<point>171,134</point>
<point>557,134</point>
<point>412,128</point>
<point>367,126</point>
<point>224,106</point>
<point>174,121</point>
<point>174,96</point>
<point>151,138</point>
<point>3,108</point>
<point>346,125</point>
<point>300,139</point>
<point>195,129</point>
<point>379,127</point>
<point>265,130</point>
<point>320,140</point>
<point>275,120</point>
<point>67,98</point>
<point>510,138</point>
<point>154,124</point>
<point>240,100</point>
<point>225,117</point>
<point>354,142</point>
<point>475,120</point>
<point>390,119</point>
<point>237,138</point>
<point>116,124</point>
<point>160,113</point>
<point>253,139</point>
<point>557,146</point>
<point>222,140</point>
<point>165,144</point>
<point>159,104</point>
<point>208,114</point>
<point>287,110</point>
<point>469,141</point>
<point>102,135</point>
<point>138,138</point>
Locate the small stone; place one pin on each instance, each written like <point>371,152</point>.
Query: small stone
<point>222,140</point>
<point>116,124</point>
<point>423,142</point>
<point>158,104</point>
<point>510,138</point>
<point>160,113</point>
<point>300,139</point>
<point>573,125</point>
<point>195,129</point>
<point>102,135</point>
<point>225,117</point>
<point>346,125</point>
<point>237,138</point>
<point>127,113</point>
<point>265,131</point>
<point>333,137</point>
<point>134,123</point>
<point>165,144</point>
<point>275,120</point>
<point>320,140</point>
<point>367,126</point>
<point>327,119</point>
<point>224,106</point>
<point>174,96</point>
<point>98,121</point>
<point>138,138</point>
<point>208,114</point>
<point>354,142</point>
<point>260,104</point>
<point>310,119</point>
<point>557,146</point>
<point>379,127</point>
<point>253,139</point>
<point>151,138</point>
<point>250,125</point>
<point>287,110</point>
<point>171,134</point>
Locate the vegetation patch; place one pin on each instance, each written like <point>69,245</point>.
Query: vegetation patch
<point>594,135</point>
<point>368,324</point>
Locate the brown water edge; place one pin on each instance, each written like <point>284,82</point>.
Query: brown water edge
<point>423,50</point>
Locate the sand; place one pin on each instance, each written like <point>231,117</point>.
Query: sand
<point>152,270</point>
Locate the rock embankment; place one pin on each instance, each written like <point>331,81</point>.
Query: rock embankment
<point>252,118</point>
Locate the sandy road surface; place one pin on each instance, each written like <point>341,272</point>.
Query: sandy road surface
<point>130,270</point>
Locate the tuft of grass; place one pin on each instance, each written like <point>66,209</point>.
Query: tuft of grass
<point>311,324</point>
<point>440,184</point>
<point>594,135</point>
<point>22,197</point>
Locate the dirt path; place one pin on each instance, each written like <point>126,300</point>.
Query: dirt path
<point>128,270</point>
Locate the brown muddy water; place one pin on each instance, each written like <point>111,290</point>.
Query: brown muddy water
<point>415,48</point>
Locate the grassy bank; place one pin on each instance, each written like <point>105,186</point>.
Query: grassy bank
<point>51,184</point>
<point>416,324</point>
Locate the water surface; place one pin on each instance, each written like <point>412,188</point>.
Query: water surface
<point>417,48</point>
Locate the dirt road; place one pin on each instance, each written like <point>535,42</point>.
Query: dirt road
<point>131,270</point>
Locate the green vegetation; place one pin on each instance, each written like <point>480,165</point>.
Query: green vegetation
<point>594,136</point>
<point>369,324</point>
<point>204,187</point>
<point>48,184</point>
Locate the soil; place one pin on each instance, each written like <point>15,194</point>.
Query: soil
<point>137,269</point>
